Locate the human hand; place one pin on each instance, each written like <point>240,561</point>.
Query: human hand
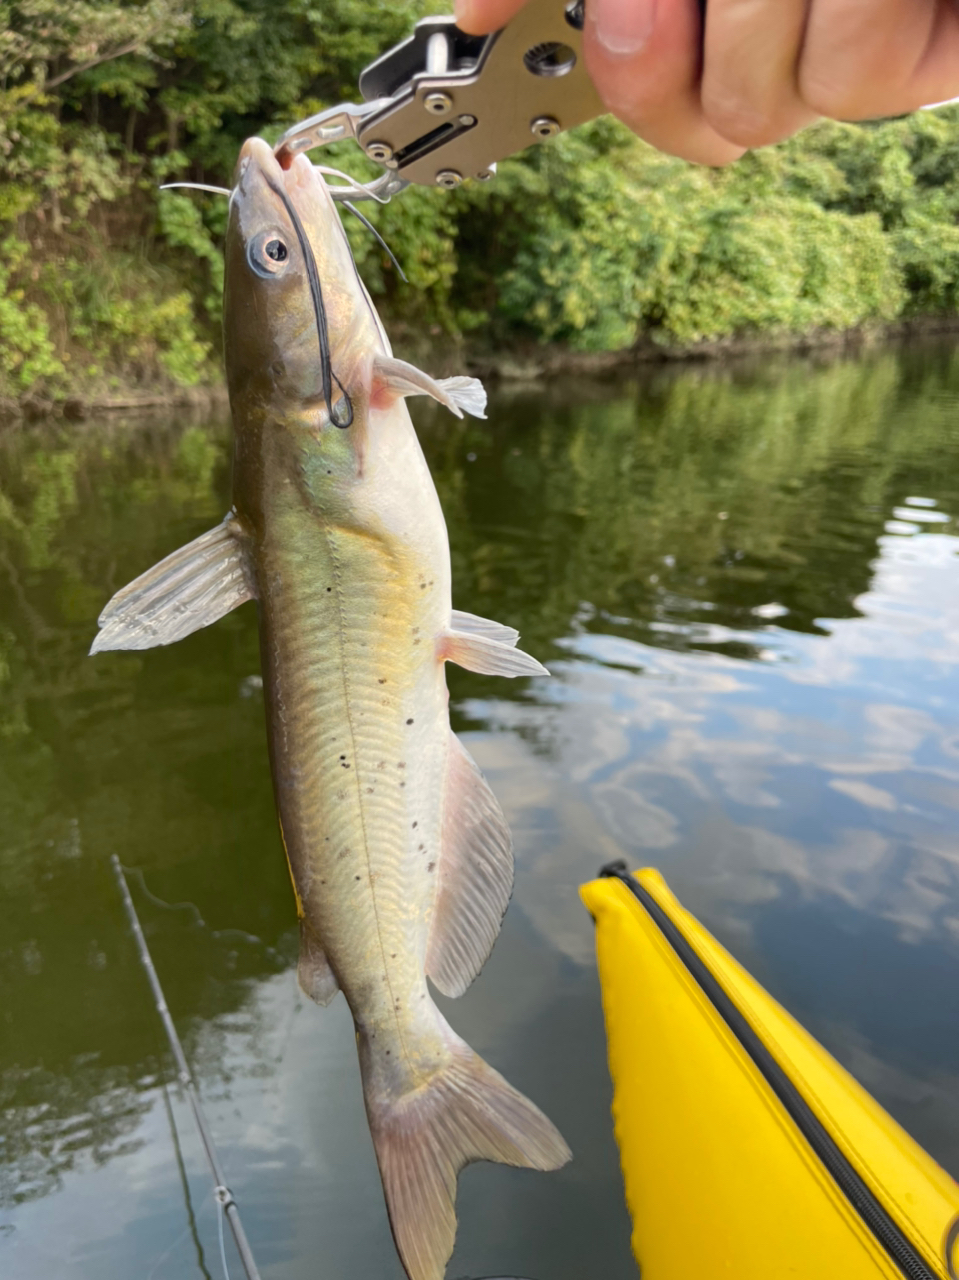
<point>765,69</point>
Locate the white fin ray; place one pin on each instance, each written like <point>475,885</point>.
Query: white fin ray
<point>475,876</point>
<point>195,586</point>
<point>317,980</point>
<point>472,624</point>
<point>460,394</point>
<point>486,656</point>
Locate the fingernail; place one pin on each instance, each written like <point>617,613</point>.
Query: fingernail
<point>622,27</point>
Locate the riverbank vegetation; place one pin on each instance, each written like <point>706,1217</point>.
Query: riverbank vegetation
<point>594,241</point>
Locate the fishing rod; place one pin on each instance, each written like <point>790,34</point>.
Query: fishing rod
<point>222,1193</point>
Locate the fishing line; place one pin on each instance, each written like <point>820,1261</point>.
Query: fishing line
<point>319,310</point>
<point>369,226</point>
<point>218,934</point>
<point>224,1196</point>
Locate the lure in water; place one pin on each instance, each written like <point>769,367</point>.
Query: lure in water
<point>400,856</point>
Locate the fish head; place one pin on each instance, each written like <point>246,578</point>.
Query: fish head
<point>298,323</point>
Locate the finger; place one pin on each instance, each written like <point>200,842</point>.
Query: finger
<point>644,58</point>
<point>480,16</point>
<point>750,90</point>
<point>868,58</point>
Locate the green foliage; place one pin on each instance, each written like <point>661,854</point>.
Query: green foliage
<point>27,353</point>
<point>624,242</point>
<point>594,240</point>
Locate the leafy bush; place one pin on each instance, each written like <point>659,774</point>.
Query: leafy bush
<point>594,240</point>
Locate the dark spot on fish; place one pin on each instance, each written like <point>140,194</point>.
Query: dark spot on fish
<point>410,721</point>
<point>342,757</point>
<point>415,825</point>
<point>329,473</point>
<point>402,784</point>
<point>322,882</point>
<point>345,764</point>
<point>416,631</point>
<point>422,586</point>
<point>401,765</point>
<point>392,955</point>
<point>369,791</point>
<point>388,1052</point>
<point>356,877</point>
<point>383,681</point>
<point>431,866</point>
<point>329,588</point>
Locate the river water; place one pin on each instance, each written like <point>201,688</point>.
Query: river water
<point>746,584</point>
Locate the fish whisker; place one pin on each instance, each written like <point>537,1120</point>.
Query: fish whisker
<point>369,226</point>
<point>198,186</point>
<point>358,189</point>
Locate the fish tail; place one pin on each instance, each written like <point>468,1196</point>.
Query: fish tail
<point>466,1111</point>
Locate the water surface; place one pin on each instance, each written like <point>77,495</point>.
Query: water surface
<point>746,585</point>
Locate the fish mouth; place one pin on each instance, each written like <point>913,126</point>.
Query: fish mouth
<point>257,159</point>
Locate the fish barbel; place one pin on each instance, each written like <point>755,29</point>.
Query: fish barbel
<point>400,856</point>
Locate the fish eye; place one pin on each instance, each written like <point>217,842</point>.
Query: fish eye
<point>268,254</point>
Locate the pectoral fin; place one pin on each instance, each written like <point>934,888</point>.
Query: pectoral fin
<point>188,590</point>
<point>316,978</point>
<point>475,876</point>
<point>487,656</point>
<point>460,395</point>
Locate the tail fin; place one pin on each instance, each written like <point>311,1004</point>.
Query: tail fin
<point>423,1139</point>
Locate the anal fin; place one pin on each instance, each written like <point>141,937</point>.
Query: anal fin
<point>313,972</point>
<point>475,876</point>
<point>196,585</point>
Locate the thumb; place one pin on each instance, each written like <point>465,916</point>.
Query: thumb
<point>481,16</point>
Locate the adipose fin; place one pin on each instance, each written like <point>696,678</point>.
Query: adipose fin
<point>316,978</point>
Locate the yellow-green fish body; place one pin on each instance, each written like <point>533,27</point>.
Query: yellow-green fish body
<point>400,857</point>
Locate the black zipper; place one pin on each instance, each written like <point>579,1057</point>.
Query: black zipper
<point>896,1244</point>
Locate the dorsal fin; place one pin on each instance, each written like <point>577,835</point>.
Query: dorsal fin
<point>196,585</point>
<point>475,876</point>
